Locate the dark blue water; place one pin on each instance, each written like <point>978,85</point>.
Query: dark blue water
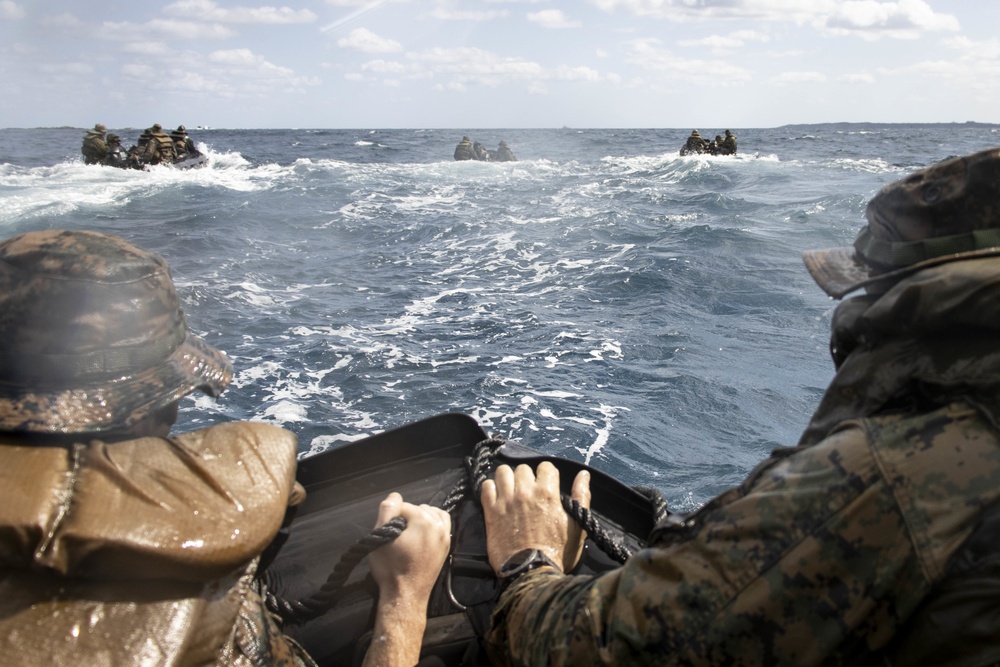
<point>602,298</point>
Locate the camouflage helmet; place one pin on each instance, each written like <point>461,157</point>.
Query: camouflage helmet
<point>947,212</point>
<point>113,138</point>
<point>100,128</point>
<point>94,337</point>
<point>157,127</point>
<point>181,129</point>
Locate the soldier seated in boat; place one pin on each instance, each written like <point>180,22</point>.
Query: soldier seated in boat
<point>504,153</point>
<point>94,148</point>
<point>874,541</point>
<point>728,144</point>
<point>695,144</point>
<point>183,145</point>
<point>480,151</point>
<point>464,151</point>
<point>159,147</point>
<point>121,543</point>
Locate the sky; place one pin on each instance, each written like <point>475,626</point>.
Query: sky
<point>497,63</point>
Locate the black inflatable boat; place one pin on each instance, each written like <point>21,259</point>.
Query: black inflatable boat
<point>328,602</point>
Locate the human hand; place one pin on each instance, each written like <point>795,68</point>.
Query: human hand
<point>523,511</point>
<point>405,571</point>
<point>409,566</point>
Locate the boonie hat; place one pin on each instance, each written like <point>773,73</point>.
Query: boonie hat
<point>93,334</point>
<point>100,128</point>
<point>947,212</point>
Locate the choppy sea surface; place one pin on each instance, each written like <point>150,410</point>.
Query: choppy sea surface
<point>602,298</point>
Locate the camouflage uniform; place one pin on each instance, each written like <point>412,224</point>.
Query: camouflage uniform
<point>828,549</point>
<point>504,153</point>
<point>94,148</point>
<point>463,151</point>
<point>728,144</point>
<point>160,147</point>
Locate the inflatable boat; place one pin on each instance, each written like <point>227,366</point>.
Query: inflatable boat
<point>319,581</point>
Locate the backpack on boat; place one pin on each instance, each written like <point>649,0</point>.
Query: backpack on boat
<point>320,584</point>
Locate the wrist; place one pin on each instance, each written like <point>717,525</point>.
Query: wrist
<point>520,563</point>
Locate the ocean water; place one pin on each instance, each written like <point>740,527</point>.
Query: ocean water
<point>602,299</point>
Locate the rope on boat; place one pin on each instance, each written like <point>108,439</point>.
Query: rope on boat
<point>478,465</point>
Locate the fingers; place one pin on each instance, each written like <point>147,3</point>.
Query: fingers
<point>547,477</point>
<point>581,488</point>
<point>388,508</point>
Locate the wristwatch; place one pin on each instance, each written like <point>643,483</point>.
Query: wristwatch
<point>520,563</point>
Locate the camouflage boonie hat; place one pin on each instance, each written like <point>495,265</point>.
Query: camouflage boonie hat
<point>100,128</point>
<point>93,334</point>
<point>947,212</point>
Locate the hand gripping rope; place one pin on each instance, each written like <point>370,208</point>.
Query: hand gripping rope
<point>478,465</point>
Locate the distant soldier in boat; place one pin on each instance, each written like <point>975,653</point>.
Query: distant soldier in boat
<point>94,147</point>
<point>181,138</point>
<point>504,153</point>
<point>715,146</point>
<point>121,543</point>
<point>144,138</point>
<point>728,144</point>
<point>480,151</point>
<point>464,151</point>
<point>117,155</point>
<point>695,144</point>
<point>160,147</point>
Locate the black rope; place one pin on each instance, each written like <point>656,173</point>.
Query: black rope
<point>324,599</point>
<point>477,467</point>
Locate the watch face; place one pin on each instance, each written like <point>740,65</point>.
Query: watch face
<point>524,561</point>
<point>518,561</point>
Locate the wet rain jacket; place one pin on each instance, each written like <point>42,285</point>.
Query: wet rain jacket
<point>142,552</point>
<point>829,550</point>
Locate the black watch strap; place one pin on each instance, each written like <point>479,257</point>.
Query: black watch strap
<point>520,563</point>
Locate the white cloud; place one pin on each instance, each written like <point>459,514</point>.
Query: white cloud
<point>869,19</point>
<point>156,49</point>
<point>471,65</point>
<point>236,57</point>
<point>66,68</point>
<point>461,68</point>
<point>206,10</point>
<point>138,71</point>
<point>364,40</point>
<point>61,21</point>
<point>906,19</point>
<point>707,10</point>
<point>975,50</point>
<point>446,14</point>
<point>552,18</point>
<point>649,55</point>
<point>716,42</point>
<point>163,29</point>
<point>977,67</point>
<point>11,11</point>
<point>384,66</point>
<point>360,3</point>
<point>859,77</point>
<point>567,73</point>
<point>787,78</point>
<point>601,53</point>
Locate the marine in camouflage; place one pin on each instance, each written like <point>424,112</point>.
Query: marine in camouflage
<point>829,550</point>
